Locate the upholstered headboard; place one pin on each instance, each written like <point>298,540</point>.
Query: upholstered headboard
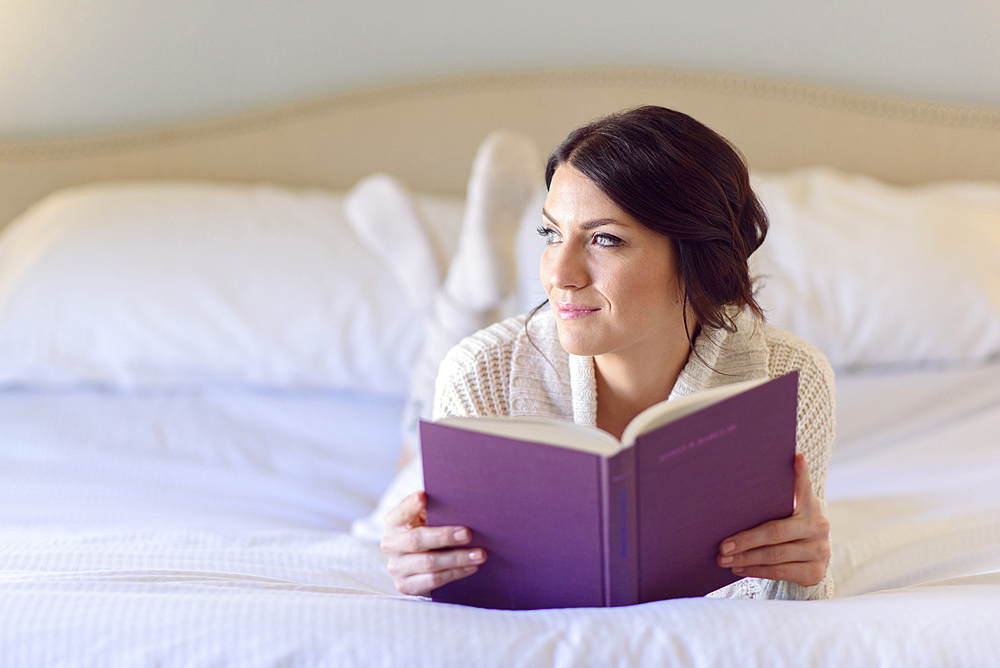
<point>426,133</point>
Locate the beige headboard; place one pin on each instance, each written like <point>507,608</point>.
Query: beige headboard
<point>426,133</point>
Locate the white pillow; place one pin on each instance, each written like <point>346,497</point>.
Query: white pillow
<point>874,274</point>
<point>185,284</point>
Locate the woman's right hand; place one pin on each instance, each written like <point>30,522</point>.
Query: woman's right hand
<point>408,542</point>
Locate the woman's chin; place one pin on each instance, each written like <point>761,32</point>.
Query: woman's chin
<point>578,345</point>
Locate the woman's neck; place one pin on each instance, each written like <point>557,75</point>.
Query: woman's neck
<point>629,384</point>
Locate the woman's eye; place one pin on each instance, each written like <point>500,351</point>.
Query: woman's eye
<point>551,236</point>
<point>604,239</point>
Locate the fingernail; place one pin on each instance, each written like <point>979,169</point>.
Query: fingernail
<point>737,570</point>
<point>728,547</point>
<point>725,561</point>
<point>469,570</point>
<point>461,535</point>
<point>476,556</point>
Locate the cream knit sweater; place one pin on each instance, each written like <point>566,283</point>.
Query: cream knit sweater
<point>502,370</point>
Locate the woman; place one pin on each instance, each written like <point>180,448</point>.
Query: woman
<point>649,222</point>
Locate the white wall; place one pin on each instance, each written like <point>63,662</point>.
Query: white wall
<point>69,66</point>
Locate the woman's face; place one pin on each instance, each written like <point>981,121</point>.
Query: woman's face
<point>612,282</point>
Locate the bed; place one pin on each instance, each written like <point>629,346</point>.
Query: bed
<point>205,361</point>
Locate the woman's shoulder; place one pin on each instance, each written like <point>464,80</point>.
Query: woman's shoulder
<point>755,349</point>
<point>787,352</point>
<point>499,338</point>
<point>502,338</point>
<point>480,366</point>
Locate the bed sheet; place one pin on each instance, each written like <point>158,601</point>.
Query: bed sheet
<point>913,484</point>
<point>217,458</point>
<point>272,581</point>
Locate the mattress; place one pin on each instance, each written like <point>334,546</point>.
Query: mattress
<point>209,528</point>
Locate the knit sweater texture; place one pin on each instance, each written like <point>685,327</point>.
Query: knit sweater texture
<point>514,369</point>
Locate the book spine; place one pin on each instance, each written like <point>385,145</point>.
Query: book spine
<point>606,538</point>
<point>621,553</point>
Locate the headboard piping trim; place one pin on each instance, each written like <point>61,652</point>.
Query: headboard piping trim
<point>860,103</point>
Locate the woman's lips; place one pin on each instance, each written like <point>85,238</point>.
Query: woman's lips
<point>568,311</point>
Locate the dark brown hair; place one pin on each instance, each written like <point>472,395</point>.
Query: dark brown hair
<point>679,178</point>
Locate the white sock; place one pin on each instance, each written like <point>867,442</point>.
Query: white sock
<point>506,173</point>
<point>384,216</point>
<point>506,177</point>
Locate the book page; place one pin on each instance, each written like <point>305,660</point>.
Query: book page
<point>666,412</point>
<point>542,430</point>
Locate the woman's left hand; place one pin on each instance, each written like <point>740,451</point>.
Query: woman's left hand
<point>796,548</point>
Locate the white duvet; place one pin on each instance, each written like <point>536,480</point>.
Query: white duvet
<point>173,530</point>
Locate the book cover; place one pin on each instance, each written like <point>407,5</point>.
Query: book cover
<point>569,528</point>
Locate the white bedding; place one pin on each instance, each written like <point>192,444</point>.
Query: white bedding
<point>215,459</point>
<point>196,548</point>
<point>193,517</point>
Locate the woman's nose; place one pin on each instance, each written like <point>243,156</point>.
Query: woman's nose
<point>564,266</point>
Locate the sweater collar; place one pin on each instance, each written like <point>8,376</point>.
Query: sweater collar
<point>721,357</point>
<point>583,383</point>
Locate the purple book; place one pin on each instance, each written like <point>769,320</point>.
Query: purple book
<point>571,517</point>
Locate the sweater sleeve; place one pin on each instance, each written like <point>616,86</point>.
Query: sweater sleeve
<point>816,404</point>
<point>814,438</point>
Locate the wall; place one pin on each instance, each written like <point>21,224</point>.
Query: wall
<point>68,66</point>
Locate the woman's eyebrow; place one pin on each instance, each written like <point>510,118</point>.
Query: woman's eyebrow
<point>587,226</point>
<point>597,223</point>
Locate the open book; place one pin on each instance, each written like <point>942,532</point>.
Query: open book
<point>569,516</point>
